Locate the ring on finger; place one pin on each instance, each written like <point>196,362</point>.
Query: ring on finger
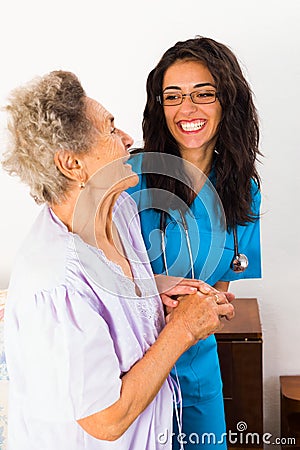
<point>217,299</point>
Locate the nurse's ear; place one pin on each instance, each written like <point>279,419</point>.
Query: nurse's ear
<point>70,165</point>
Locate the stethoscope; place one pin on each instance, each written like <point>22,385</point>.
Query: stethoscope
<point>239,262</point>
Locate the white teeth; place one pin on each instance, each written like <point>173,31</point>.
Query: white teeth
<point>192,126</point>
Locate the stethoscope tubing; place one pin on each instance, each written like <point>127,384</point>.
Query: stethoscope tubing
<point>239,262</point>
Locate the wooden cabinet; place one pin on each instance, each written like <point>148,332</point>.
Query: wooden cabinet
<point>240,354</point>
<point>290,411</point>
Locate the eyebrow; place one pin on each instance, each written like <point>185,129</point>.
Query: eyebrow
<point>196,86</point>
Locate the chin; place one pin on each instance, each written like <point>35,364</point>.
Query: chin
<point>126,183</point>
<point>132,180</point>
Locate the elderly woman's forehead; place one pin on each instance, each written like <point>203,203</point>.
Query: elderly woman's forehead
<point>95,108</point>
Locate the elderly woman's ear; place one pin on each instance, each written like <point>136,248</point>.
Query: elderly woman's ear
<point>70,165</point>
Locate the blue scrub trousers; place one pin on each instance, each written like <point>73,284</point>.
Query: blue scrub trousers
<point>208,433</point>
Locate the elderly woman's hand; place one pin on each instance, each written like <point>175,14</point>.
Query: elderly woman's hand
<point>199,315</point>
<point>172,288</point>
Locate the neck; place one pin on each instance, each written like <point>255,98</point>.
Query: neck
<point>104,229</point>
<point>201,160</point>
<point>88,215</point>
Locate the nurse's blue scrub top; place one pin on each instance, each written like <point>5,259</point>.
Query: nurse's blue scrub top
<point>212,252</point>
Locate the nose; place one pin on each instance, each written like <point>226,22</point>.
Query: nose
<point>188,106</point>
<point>187,102</point>
<point>126,139</point>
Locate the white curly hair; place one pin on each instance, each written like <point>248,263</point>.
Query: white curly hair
<point>45,115</point>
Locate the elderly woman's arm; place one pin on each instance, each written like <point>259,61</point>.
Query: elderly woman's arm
<point>196,317</point>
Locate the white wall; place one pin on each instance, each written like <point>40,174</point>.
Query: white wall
<point>112,46</point>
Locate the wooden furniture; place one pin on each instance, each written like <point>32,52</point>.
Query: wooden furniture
<point>240,354</point>
<point>290,411</point>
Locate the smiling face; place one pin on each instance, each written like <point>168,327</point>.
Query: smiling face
<point>194,126</point>
<point>110,142</point>
<point>109,154</point>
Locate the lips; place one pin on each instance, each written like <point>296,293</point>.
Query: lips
<point>191,126</point>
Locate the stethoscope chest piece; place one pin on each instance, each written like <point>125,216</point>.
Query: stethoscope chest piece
<point>239,262</point>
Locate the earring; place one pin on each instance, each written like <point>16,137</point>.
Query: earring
<point>82,185</point>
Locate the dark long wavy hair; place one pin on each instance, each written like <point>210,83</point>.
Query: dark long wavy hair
<point>237,136</point>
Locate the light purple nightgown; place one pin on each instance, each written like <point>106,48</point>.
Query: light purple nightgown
<point>73,325</point>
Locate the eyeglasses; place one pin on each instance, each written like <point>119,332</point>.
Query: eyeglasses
<point>200,97</point>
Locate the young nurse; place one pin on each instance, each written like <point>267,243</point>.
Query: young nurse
<point>199,202</point>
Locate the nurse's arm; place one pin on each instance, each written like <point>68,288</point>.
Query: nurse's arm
<point>222,286</point>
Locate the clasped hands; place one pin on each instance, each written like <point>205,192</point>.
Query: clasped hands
<point>199,305</point>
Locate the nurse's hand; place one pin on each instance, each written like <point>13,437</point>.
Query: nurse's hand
<point>170,288</point>
<point>200,314</point>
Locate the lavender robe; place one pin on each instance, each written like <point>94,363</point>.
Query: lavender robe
<point>74,324</point>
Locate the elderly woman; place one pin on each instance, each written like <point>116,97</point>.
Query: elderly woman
<point>87,347</point>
